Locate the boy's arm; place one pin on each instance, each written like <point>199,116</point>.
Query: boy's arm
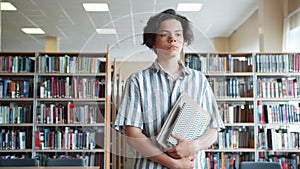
<point>186,148</point>
<point>143,145</point>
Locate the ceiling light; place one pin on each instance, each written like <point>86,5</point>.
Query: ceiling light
<point>7,6</point>
<point>95,7</point>
<point>106,31</point>
<point>189,7</point>
<point>33,30</point>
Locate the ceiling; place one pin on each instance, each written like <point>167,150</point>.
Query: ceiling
<point>75,29</point>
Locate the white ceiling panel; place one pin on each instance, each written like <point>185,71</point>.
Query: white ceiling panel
<point>75,28</point>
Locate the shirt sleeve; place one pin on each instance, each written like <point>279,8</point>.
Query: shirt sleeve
<point>129,110</point>
<point>211,106</point>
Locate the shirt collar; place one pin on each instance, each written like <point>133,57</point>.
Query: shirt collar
<point>157,67</point>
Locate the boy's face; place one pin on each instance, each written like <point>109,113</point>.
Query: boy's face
<point>169,38</point>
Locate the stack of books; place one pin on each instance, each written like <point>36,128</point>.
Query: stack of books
<point>186,119</point>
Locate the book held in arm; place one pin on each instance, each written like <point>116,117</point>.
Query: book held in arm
<point>186,119</point>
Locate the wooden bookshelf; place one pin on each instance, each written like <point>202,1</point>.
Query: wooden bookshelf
<point>17,103</point>
<point>69,98</point>
<point>272,139</point>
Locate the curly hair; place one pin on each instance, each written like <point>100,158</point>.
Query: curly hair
<point>154,22</point>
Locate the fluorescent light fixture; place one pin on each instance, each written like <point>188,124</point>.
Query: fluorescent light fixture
<point>33,30</point>
<point>189,7</point>
<point>106,31</point>
<point>95,7</point>
<point>7,6</point>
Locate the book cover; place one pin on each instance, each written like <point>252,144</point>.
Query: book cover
<point>186,118</point>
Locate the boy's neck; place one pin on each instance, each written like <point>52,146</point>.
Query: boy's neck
<point>170,65</point>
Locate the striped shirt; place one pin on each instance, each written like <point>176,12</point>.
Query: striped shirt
<point>148,98</point>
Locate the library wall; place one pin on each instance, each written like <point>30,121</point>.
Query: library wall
<point>51,44</point>
<point>239,41</point>
<point>268,21</point>
<point>264,30</point>
<point>221,44</point>
<point>127,68</point>
<point>293,5</point>
<point>270,25</point>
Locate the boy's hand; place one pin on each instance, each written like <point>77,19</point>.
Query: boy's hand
<point>183,149</point>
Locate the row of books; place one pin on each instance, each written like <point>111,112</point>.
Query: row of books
<point>273,62</point>
<point>278,139</point>
<point>68,114</point>
<point>74,87</point>
<point>278,62</point>
<point>278,87</point>
<point>221,160</point>
<point>232,87</point>
<point>287,160</point>
<point>67,138</point>
<point>89,158</point>
<point>15,156</point>
<point>12,140</point>
<point>15,64</point>
<point>15,88</point>
<point>202,62</point>
<point>284,113</point>
<point>229,63</point>
<point>218,62</point>
<point>15,113</point>
<point>235,138</point>
<point>70,64</point>
<point>195,61</point>
<point>236,112</point>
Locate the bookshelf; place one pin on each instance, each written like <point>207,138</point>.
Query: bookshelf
<point>278,107</point>
<point>258,99</point>
<point>17,104</point>
<point>67,106</point>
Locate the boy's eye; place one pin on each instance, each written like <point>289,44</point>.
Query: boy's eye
<point>178,34</point>
<point>163,34</point>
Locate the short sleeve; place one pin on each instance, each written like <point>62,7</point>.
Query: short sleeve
<point>129,110</point>
<point>210,104</point>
